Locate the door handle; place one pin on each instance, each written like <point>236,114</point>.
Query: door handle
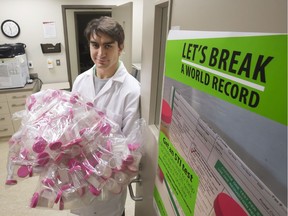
<point>131,192</point>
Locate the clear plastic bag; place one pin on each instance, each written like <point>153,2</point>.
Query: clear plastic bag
<point>78,153</point>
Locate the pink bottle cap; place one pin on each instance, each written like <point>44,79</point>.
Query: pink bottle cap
<point>11,182</point>
<point>55,145</point>
<point>24,171</point>
<point>224,205</point>
<point>166,113</point>
<point>73,99</point>
<point>133,146</point>
<point>71,113</point>
<point>60,192</point>
<point>39,146</point>
<point>74,169</point>
<point>31,102</point>
<point>24,153</point>
<point>98,154</point>
<point>43,158</point>
<point>47,99</point>
<point>66,187</point>
<point>92,161</point>
<point>59,158</point>
<point>48,182</point>
<point>109,145</point>
<point>61,204</point>
<point>88,174</point>
<point>90,104</point>
<point>34,200</point>
<point>73,162</point>
<point>94,191</point>
<point>56,93</point>
<point>129,160</point>
<point>82,131</point>
<point>102,114</point>
<point>58,197</point>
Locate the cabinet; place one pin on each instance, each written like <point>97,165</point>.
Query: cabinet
<point>11,101</point>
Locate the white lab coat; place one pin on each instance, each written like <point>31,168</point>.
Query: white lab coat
<point>119,99</point>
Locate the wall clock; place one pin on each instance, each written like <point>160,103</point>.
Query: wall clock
<point>10,28</point>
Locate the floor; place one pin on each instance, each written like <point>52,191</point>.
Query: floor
<point>14,200</point>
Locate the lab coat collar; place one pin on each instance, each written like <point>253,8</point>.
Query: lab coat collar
<point>119,75</point>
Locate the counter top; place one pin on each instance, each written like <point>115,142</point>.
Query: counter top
<point>27,87</point>
<point>60,86</point>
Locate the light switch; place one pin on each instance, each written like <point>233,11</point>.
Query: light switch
<point>30,64</point>
<point>58,63</point>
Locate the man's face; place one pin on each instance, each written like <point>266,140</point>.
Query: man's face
<point>104,53</point>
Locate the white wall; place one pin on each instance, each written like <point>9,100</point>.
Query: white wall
<point>30,14</point>
<point>226,15</point>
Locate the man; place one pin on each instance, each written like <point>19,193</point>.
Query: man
<point>113,91</point>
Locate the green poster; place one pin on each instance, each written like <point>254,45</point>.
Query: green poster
<point>223,135</point>
<point>250,71</point>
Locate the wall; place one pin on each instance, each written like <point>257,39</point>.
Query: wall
<point>225,15</point>
<point>31,13</point>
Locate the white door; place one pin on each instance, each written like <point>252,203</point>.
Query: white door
<point>123,14</point>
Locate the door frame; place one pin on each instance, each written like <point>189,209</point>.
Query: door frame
<point>149,161</point>
<point>161,26</point>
